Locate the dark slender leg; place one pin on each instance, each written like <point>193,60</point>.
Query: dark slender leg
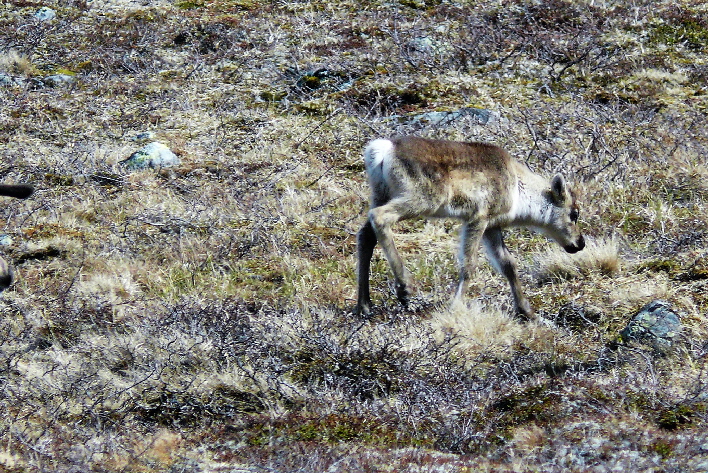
<point>381,219</point>
<point>366,241</point>
<point>503,261</point>
<point>21,191</point>
<point>5,275</point>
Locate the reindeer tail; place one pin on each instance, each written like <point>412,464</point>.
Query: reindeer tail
<point>377,156</point>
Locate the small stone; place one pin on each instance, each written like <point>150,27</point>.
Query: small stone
<point>5,240</point>
<point>153,155</point>
<point>58,80</point>
<point>6,80</point>
<point>424,44</point>
<point>45,14</point>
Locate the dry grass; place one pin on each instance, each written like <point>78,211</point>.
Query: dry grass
<point>601,257</point>
<point>199,317</point>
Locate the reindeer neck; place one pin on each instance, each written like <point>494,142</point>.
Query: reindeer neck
<point>531,207</point>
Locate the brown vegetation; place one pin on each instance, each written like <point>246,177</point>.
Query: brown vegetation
<point>199,318</point>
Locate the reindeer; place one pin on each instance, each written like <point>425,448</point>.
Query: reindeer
<point>479,184</point>
<point>20,191</point>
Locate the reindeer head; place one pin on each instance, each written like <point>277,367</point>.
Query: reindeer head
<point>562,223</point>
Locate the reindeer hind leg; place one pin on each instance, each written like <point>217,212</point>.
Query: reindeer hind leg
<point>366,242</point>
<point>381,219</point>
<point>6,275</point>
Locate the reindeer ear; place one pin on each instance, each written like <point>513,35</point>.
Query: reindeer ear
<point>559,189</point>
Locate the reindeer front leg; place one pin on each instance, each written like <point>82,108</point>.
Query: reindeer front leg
<point>503,261</point>
<point>381,219</point>
<point>469,244</point>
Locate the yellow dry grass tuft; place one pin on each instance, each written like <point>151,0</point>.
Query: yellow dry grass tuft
<point>599,257</point>
<point>477,326</point>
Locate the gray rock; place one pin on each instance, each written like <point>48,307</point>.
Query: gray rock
<point>656,324</point>
<point>424,44</point>
<point>59,80</point>
<point>6,80</point>
<point>5,239</point>
<point>444,118</point>
<point>45,14</point>
<point>480,115</point>
<point>152,155</point>
<point>144,136</point>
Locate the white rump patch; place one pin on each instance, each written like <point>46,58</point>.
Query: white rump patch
<point>377,152</point>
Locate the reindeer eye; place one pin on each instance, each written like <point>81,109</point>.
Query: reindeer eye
<point>574,214</point>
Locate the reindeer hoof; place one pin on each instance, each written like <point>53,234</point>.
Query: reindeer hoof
<point>363,309</point>
<point>526,313</point>
<point>403,293</point>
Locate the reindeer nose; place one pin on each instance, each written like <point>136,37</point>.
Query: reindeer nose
<point>578,246</point>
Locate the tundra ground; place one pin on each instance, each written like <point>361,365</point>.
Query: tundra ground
<point>199,317</point>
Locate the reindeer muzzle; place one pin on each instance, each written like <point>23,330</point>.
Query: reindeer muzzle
<point>577,246</point>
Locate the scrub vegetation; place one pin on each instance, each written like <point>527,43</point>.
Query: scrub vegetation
<point>199,317</point>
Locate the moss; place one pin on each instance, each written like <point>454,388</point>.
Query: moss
<point>331,429</point>
<point>190,4</point>
<point>59,180</point>
<point>258,279</point>
<point>321,241</point>
<point>662,447</point>
<point>633,224</point>
<point>536,404</point>
<point>659,265</point>
<point>364,374</point>
<point>688,31</point>
<point>695,271</point>
<point>639,402</point>
<point>273,96</point>
<point>63,71</point>
<point>386,99</point>
<point>355,167</point>
<point>420,4</point>
<point>166,407</point>
<point>678,416</point>
<point>315,108</point>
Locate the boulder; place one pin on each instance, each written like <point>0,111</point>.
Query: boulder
<point>482,116</point>
<point>443,118</point>
<point>656,324</point>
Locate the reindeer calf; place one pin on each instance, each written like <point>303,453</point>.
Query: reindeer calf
<point>479,184</point>
<point>21,192</point>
